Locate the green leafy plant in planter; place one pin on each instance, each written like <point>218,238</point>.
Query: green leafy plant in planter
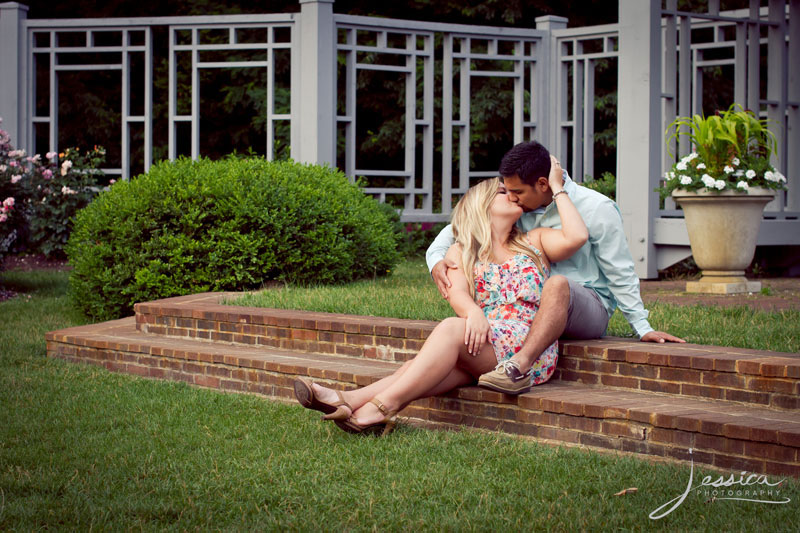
<point>723,186</point>
<point>731,153</point>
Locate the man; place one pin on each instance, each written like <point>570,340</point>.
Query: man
<point>583,292</point>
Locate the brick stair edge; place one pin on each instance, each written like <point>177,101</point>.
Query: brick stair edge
<point>722,445</point>
<point>754,362</point>
<point>745,376</point>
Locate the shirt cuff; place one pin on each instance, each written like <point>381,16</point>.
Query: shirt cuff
<point>642,327</point>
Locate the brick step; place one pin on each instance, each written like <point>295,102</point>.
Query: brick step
<point>752,377</point>
<point>202,317</point>
<point>721,433</point>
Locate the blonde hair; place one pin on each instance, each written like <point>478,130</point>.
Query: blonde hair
<point>473,231</point>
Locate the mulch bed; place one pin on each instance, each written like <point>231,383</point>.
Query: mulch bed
<point>33,262</point>
<point>27,263</point>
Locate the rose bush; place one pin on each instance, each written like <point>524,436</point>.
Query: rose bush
<point>13,194</point>
<point>59,192</point>
<point>41,195</point>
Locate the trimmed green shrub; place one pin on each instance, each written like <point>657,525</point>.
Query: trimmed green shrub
<point>606,184</point>
<point>194,226</point>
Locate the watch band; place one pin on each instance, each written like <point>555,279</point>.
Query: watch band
<point>559,192</point>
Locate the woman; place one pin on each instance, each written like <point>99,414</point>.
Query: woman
<point>495,309</point>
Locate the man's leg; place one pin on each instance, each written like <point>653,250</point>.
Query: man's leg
<point>587,317</point>
<point>566,309</point>
<point>549,322</point>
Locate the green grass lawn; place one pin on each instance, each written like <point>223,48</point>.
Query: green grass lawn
<point>410,293</point>
<point>85,449</point>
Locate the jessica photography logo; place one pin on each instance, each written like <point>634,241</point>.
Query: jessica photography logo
<point>741,487</point>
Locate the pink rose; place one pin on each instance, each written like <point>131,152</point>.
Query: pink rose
<point>3,217</point>
<point>15,179</point>
<point>51,155</point>
<point>47,174</point>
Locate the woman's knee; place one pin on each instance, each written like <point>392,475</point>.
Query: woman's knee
<point>452,323</point>
<point>451,327</point>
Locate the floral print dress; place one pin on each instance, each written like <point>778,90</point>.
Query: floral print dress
<point>509,294</point>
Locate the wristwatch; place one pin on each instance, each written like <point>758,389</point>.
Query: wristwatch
<point>559,192</point>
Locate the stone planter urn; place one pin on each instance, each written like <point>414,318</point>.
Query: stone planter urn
<point>723,227</point>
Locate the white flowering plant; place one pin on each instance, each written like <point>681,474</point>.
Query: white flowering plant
<point>39,196</point>
<point>731,153</point>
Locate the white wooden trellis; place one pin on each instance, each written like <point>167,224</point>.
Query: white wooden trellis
<point>46,45</point>
<point>460,49</point>
<point>576,81</point>
<point>231,43</point>
<point>360,40</point>
<point>541,61</point>
<point>418,50</point>
<point>52,41</point>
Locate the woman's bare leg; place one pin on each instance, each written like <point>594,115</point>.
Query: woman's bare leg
<point>458,377</point>
<point>463,373</point>
<point>358,397</point>
<point>442,362</point>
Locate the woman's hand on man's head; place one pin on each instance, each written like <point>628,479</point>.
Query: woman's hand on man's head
<point>556,177</point>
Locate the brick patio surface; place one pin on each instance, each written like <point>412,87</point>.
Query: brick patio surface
<point>778,294</point>
<point>735,408</point>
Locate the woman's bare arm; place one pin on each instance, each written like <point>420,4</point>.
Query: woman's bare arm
<point>477,330</point>
<point>459,296</point>
<point>560,244</point>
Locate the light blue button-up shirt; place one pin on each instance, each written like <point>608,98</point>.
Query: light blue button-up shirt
<point>604,264</point>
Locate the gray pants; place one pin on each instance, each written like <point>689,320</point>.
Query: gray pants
<point>586,318</point>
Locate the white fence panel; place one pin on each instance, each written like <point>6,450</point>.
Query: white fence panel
<point>547,76</point>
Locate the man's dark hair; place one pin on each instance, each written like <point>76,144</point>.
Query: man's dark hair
<point>530,161</point>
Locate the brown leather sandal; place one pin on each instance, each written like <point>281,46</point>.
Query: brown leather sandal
<point>304,392</point>
<point>382,428</point>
